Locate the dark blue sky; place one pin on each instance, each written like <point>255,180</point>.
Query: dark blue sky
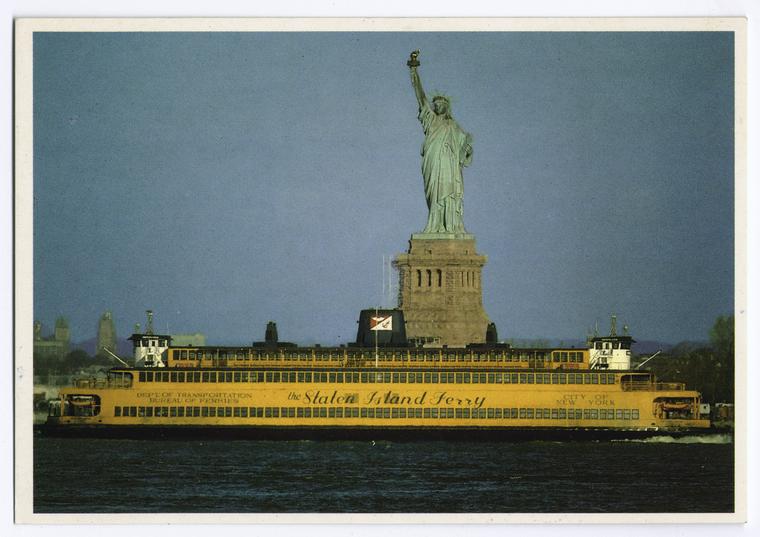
<point>224,180</point>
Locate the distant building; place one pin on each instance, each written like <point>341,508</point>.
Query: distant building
<point>106,335</point>
<point>189,340</point>
<point>56,345</point>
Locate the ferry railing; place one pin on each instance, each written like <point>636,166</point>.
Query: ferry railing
<point>649,386</point>
<point>670,386</point>
<point>96,383</point>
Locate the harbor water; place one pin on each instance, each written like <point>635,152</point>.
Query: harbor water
<point>692,474</point>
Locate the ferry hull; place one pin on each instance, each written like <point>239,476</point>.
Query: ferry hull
<point>400,434</point>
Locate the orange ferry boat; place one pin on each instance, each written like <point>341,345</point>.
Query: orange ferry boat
<point>391,390</point>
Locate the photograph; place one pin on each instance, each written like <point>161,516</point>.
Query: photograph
<point>380,267</point>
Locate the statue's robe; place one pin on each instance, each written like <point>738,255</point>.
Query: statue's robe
<point>447,148</point>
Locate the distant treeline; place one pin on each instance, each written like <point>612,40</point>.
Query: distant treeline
<point>73,362</point>
<point>708,368</point>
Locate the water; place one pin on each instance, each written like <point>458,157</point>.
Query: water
<point>242,476</point>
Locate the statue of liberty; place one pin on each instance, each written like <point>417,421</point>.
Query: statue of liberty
<point>447,148</point>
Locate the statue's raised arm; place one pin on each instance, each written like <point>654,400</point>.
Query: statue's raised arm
<point>413,63</point>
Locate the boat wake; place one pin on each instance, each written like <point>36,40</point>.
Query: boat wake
<point>694,439</point>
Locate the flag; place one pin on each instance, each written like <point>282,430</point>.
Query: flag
<point>381,323</point>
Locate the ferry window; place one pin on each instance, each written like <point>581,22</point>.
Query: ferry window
<point>243,376</point>
<point>244,412</point>
<point>212,412</point>
<point>611,378</point>
<point>626,414</point>
<point>339,377</point>
<point>635,414</point>
<point>523,378</point>
<point>530,378</point>
<point>204,412</point>
<point>459,378</point>
<point>148,411</point>
<point>268,412</point>
<point>586,413</point>
<point>192,355</point>
<point>117,411</point>
<point>332,377</point>
<point>322,412</point>
<point>522,413</point>
<point>563,378</point>
<point>539,378</point>
<point>236,412</point>
<point>339,412</point>
<point>465,413</point>
<point>196,376</point>
<point>562,413</point>
<point>299,412</point>
<point>236,376</point>
<point>174,376</point>
<point>269,376</point>
<point>173,412</point>
<point>196,411</point>
<point>594,378</point>
<point>587,378</point>
<point>428,378</point>
<point>141,412</point>
<point>181,412</point>
<point>181,376</point>
<point>491,378</point>
<point>594,414</point>
<point>306,412</point>
<point>619,414</point>
<point>602,379</point>
<point>183,354</point>
<point>529,413</point>
<point>142,376</point>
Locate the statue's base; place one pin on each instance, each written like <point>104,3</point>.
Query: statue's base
<point>440,292</point>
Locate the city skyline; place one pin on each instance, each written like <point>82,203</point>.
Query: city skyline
<point>265,176</point>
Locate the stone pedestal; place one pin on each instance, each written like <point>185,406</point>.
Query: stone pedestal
<point>440,292</point>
